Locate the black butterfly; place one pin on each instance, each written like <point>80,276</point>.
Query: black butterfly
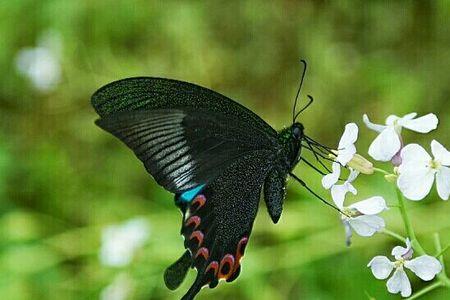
<point>215,155</point>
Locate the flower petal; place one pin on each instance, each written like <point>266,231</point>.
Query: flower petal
<point>348,233</point>
<point>415,182</point>
<point>352,176</point>
<point>367,225</point>
<point>414,153</point>
<point>399,282</point>
<point>423,124</point>
<point>371,206</point>
<point>385,145</point>
<point>349,136</point>
<point>346,154</point>
<point>399,252</point>
<point>440,153</point>
<point>443,182</point>
<point>390,120</point>
<point>373,126</point>
<point>338,193</point>
<point>351,188</point>
<point>425,267</point>
<point>381,267</point>
<point>331,179</point>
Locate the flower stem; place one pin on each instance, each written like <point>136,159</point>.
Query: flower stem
<point>381,171</point>
<point>442,251</point>
<point>437,244</point>
<point>407,222</point>
<point>393,234</point>
<point>426,290</point>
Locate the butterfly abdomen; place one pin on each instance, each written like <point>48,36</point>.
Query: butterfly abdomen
<point>274,192</point>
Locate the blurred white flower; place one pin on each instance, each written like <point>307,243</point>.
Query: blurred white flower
<point>425,267</point>
<point>41,64</point>
<point>119,289</point>
<point>362,216</point>
<point>120,242</point>
<point>418,171</point>
<point>388,143</point>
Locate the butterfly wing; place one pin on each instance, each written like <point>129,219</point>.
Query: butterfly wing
<point>218,222</point>
<point>149,93</point>
<point>184,134</point>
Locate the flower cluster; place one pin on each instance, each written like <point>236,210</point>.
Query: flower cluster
<point>414,173</point>
<point>361,216</point>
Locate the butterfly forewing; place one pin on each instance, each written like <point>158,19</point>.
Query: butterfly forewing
<point>182,149</point>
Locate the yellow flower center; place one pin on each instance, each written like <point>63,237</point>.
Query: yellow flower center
<point>435,164</point>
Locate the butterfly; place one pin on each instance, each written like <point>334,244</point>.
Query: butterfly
<point>215,155</point>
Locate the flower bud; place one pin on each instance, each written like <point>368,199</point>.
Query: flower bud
<point>361,164</point>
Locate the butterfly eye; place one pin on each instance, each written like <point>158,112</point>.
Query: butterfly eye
<point>297,131</point>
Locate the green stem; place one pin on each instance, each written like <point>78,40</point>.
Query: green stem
<point>437,244</point>
<point>393,234</point>
<point>426,290</point>
<point>443,251</point>
<point>408,226</point>
<point>381,171</point>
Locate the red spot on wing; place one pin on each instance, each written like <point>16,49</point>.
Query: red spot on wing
<point>194,220</point>
<point>226,266</point>
<point>202,252</point>
<point>214,266</point>
<point>198,202</point>
<point>198,235</point>
<point>241,249</point>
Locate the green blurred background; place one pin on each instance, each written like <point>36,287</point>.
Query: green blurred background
<point>63,180</point>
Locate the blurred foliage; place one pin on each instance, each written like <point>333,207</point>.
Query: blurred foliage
<point>62,179</point>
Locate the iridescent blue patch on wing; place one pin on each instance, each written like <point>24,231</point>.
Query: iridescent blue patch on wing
<point>189,195</point>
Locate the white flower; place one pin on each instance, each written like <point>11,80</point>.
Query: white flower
<point>362,216</point>
<point>41,64</point>
<point>389,142</point>
<point>119,289</point>
<point>425,267</point>
<point>346,148</point>
<point>346,151</point>
<point>120,242</point>
<point>418,170</point>
<point>338,191</point>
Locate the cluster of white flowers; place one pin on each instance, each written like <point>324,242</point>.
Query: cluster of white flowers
<point>361,216</point>
<point>415,171</point>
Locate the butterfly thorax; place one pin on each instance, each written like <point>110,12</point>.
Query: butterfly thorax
<point>290,139</point>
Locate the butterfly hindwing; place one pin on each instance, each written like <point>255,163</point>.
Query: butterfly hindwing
<point>217,223</point>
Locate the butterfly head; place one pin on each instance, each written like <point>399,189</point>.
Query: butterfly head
<point>297,131</point>
<point>291,138</point>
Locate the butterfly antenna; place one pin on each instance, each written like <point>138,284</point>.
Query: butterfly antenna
<point>316,195</point>
<point>310,101</point>
<point>299,89</point>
